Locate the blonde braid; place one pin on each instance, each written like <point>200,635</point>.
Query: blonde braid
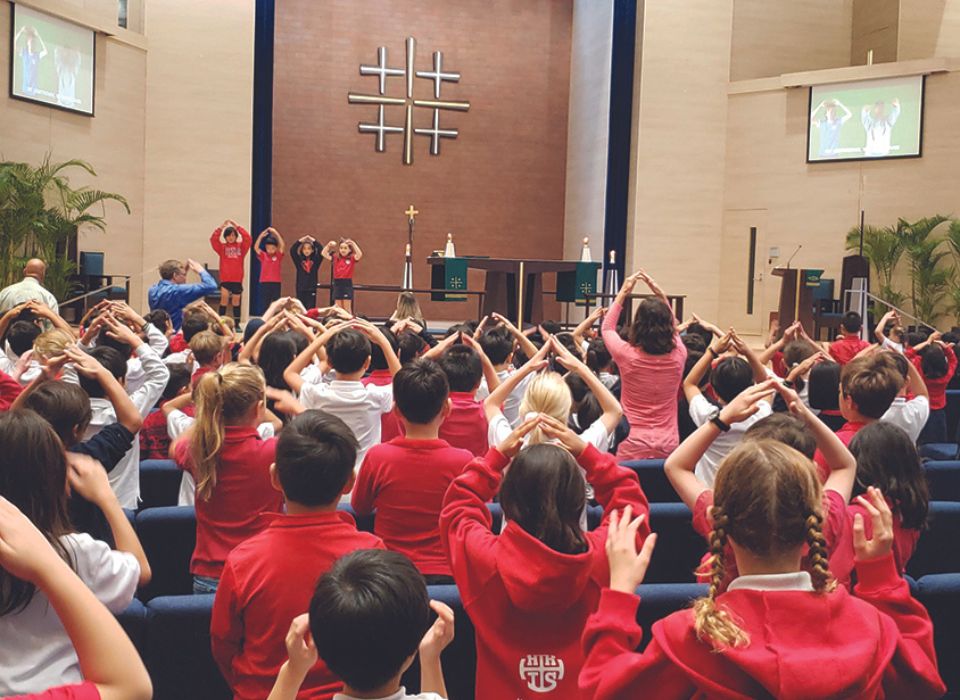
<point>712,624</point>
<point>823,581</point>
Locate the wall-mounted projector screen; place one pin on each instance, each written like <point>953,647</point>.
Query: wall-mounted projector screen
<point>51,60</point>
<point>866,120</point>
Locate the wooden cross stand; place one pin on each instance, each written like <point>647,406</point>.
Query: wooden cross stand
<point>408,257</point>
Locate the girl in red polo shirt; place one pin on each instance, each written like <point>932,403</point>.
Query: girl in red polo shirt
<point>230,464</point>
<point>344,255</point>
<point>530,589</point>
<point>779,631</point>
<point>270,258</point>
<point>937,363</point>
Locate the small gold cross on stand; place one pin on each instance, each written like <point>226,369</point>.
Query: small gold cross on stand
<point>411,213</point>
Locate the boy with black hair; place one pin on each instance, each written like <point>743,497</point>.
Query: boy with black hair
<point>347,347</point>
<point>849,344</point>
<point>728,378</point>
<point>498,345</point>
<point>19,341</point>
<point>369,617</point>
<point>269,579</point>
<point>404,480</point>
<point>154,438</point>
<point>194,321</point>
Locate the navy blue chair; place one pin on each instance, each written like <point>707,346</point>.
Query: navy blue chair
<point>939,450</point>
<point>177,650</point>
<point>940,594</point>
<point>364,522</point>
<point>679,548</point>
<point>653,480</point>
<point>937,551</point>
<point>134,623</point>
<point>943,477</point>
<point>657,600</point>
<point>159,483</point>
<point>168,536</point>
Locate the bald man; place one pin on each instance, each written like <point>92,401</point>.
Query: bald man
<point>30,288</point>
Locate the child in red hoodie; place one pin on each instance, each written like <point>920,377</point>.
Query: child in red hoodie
<point>404,480</point>
<point>779,631</point>
<point>269,579</point>
<point>530,590</point>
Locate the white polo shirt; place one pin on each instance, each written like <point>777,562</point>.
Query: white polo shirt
<point>700,412</point>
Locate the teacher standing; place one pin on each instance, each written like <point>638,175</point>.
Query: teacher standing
<point>651,369</point>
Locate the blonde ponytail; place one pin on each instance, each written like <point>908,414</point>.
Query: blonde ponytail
<point>713,624</point>
<point>546,393</point>
<point>221,397</point>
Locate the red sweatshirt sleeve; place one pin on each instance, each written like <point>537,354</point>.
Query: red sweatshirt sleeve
<point>951,360</point>
<point>246,240</point>
<point>226,624</point>
<point>365,488</point>
<point>612,668</point>
<point>615,487</point>
<point>465,521</point>
<point>912,672</point>
<point>9,391</point>
<point>215,241</point>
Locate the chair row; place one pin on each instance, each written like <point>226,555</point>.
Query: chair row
<point>160,481</point>
<point>169,534</point>
<point>172,634</point>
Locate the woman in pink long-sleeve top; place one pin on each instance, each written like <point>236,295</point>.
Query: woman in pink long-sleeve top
<point>651,369</point>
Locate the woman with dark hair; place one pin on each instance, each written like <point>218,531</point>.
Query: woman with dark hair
<point>651,368</point>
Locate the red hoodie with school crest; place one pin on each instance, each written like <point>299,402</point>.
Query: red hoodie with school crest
<point>528,602</point>
<point>803,646</point>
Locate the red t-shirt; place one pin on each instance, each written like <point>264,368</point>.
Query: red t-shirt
<point>846,348</point>
<point>466,426</point>
<point>390,425</point>
<point>177,342</point>
<point>404,481</point>
<point>845,433</point>
<point>270,266</point>
<point>243,492</point>
<point>9,391</point>
<point>231,254</point>
<point>266,582</point>
<point>343,267</point>
<point>80,691</point>
<point>937,388</point>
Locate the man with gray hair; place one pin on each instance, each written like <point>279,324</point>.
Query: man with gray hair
<point>29,289</point>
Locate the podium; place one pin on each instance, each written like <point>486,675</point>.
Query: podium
<point>796,295</point>
<point>515,287</point>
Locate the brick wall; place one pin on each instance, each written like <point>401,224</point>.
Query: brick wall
<point>499,187</point>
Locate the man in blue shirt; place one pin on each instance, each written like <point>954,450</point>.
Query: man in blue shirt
<point>172,292</point>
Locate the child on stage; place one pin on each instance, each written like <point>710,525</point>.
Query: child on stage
<point>306,256</point>
<point>344,256</point>
<point>270,257</point>
<point>231,242</point>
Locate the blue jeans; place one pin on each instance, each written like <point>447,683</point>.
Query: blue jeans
<point>205,584</point>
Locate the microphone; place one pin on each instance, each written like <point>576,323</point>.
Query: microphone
<point>794,255</point>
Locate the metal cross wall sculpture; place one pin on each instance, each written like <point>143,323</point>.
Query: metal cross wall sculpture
<point>438,76</point>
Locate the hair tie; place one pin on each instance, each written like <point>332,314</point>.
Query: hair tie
<point>530,415</point>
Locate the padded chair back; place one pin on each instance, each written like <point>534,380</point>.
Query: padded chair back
<point>159,483</point>
<point>943,478</point>
<point>662,599</point>
<point>177,650</point>
<point>937,551</point>
<point>653,480</point>
<point>940,594</point>
<point>168,536</point>
<point>679,548</point>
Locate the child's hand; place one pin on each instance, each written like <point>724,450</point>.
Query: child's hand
<point>627,568</point>
<point>511,445</point>
<point>562,433</point>
<point>881,520</point>
<point>745,404</point>
<point>121,331</point>
<point>284,401</point>
<point>24,551</point>
<point>483,322</point>
<point>301,651</point>
<point>794,403</point>
<point>440,634</point>
<point>51,368</point>
<point>85,365</point>
<point>88,478</point>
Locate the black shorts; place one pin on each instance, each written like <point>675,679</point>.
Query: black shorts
<point>232,287</point>
<point>343,289</point>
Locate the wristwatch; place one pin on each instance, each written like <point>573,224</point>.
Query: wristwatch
<point>715,419</point>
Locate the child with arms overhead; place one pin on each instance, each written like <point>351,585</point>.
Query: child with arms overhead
<point>344,256</point>
<point>232,243</point>
<point>306,256</point>
<point>270,257</point>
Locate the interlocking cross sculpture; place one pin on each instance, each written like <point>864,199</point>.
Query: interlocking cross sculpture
<point>437,76</point>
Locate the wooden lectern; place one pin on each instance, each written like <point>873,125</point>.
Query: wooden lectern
<point>796,295</point>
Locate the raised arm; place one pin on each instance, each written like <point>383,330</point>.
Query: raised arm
<point>216,239</point>
<point>281,244</point>
<point>291,375</point>
<point>586,324</point>
<point>45,312</point>
<point>526,345</point>
<point>608,402</point>
<point>655,289</point>
<point>489,372</point>
<point>127,413</point>
<point>107,657</point>
<point>357,253</point>
<point>376,336</point>
<point>328,249</point>
<point>691,383</point>
<point>878,330</point>
<point>759,371</point>
<point>496,398</point>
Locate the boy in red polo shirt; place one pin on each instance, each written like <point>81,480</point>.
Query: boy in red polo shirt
<point>404,480</point>
<point>270,258</point>
<point>466,426</point>
<point>232,243</point>
<point>850,343</point>
<point>868,386</point>
<point>269,579</point>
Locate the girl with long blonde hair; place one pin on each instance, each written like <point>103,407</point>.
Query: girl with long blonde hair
<point>230,464</point>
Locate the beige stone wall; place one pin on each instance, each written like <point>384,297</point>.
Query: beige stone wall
<point>929,28</point>
<point>876,25</point>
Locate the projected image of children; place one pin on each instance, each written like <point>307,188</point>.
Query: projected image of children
<point>31,50</point>
<point>67,61</point>
<point>878,122</point>
<point>834,115</point>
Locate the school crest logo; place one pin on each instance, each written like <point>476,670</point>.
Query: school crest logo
<point>541,672</point>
